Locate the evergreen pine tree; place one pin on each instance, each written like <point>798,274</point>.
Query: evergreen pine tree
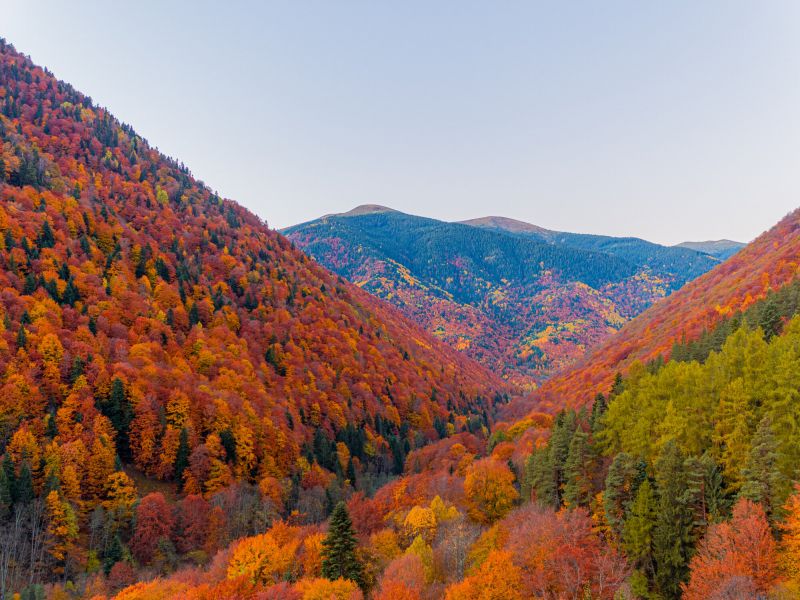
<point>119,411</point>
<point>114,553</point>
<point>22,337</point>
<point>672,535</point>
<point>578,471</point>
<point>10,478</point>
<point>6,495</point>
<point>762,479</point>
<point>770,318</point>
<point>541,475</point>
<point>339,549</point>
<point>618,386</point>
<point>558,445</point>
<point>620,490</point>
<point>598,410</point>
<point>46,237</point>
<point>24,488</point>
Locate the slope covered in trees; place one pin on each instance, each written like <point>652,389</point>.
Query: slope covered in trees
<point>768,263</point>
<point>520,299</point>
<point>151,330</point>
<point>680,482</point>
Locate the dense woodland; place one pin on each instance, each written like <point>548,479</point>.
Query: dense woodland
<point>526,304</point>
<point>191,408</point>
<point>766,264</point>
<point>676,483</point>
<point>157,338</point>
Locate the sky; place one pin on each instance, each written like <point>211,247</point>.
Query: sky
<point>668,121</point>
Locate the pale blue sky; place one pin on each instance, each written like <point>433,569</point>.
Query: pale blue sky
<point>668,121</point>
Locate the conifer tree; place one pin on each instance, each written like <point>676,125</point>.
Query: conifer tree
<point>24,493</point>
<point>558,446</point>
<point>578,471</point>
<point>119,411</point>
<point>10,474</point>
<point>598,411</point>
<point>6,494</point>
<point>620,490</point>
<point>541,475</point>
<point>339,549</point>
<point>762,479</point>
<point>672,535</point>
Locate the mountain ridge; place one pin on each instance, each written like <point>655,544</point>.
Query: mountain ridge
<point>768,262</point>
<point>526,301</point>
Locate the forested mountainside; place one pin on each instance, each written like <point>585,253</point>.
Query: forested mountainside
<point>767,263</point>
<point>680,481</point>
<point>156,337</point>
<point>522,300</point>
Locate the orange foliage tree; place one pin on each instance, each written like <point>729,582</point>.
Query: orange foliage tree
<point>489,487</point>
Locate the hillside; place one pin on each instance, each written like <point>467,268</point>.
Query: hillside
<point>674,484</point>
<point>522,300</point>
<point>769,262</point>
<point>146,319</point>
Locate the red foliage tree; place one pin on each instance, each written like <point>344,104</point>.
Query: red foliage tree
<point>740,554</point>
<point>154,521</point>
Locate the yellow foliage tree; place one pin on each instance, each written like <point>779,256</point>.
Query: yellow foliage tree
<point>265,558</point>
<point>489,487</point>
<point>420,521</point>
<point>120,497</point>
<point>62,529</point>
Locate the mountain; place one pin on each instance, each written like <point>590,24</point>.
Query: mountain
<point>679,433</point>
<point>674,484</point>
<point>767,263</point>
<point>506,224</point>
<point>522,300</point>
<point>722,249</point>
<point>146,320</point>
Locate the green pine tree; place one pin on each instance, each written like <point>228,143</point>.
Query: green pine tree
<point>620,490</point>
<point>560,440</point>
<point>598,411</point>
<point>762,479</point>
<point>578,471</point>
<point>6,495</point>
<point>541,474</point>
<point>24,488</point>
<point>117,407</point>
<point>339,549</point>
<point>672,536</point>
<point>10,477</point>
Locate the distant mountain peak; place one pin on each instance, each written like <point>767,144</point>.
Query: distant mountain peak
<point>715,243</point>
<point>506,224</point>
<point>720,248</point>
<point>367,209</point>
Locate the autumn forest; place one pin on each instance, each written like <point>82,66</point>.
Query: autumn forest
<point>194,405</point>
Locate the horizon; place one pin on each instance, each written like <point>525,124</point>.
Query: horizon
<point>377,208</point>
<point>297,112</point>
